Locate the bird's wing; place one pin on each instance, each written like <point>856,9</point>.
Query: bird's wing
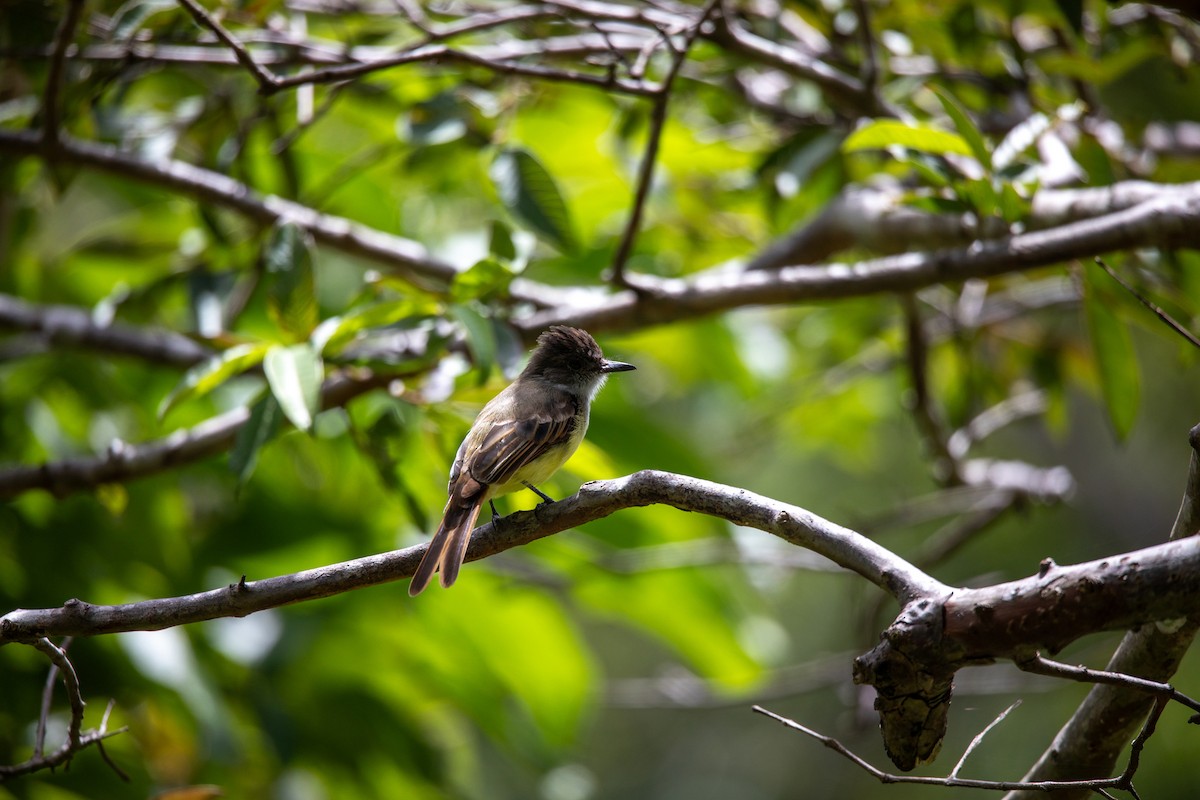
<point>507,446</point>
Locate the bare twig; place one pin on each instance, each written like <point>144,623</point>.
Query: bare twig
<point>1039,665</point>
<point>948,781</point>
<point>122,774</point>
<point>946,469</point>
<point>658,119</point>
<point>267,80</point>
<point>58,657</point>
<point>978,740</point>
<point>39,739</point>
<point>51,102</point>
<point>1157,310</point>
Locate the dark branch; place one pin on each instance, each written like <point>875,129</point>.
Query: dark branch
<point>410,259</point>
<point>123,461</point>
<point>69,326</point>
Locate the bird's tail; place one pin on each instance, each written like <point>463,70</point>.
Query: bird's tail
<point>448,546</point>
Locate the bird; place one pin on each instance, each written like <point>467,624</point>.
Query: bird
<point>520,438</point>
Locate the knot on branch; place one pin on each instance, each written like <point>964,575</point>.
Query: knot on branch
<point>913,681</point>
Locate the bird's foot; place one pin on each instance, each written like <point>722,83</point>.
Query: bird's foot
<point>545,497</point>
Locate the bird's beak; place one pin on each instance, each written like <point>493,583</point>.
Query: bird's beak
<point>616,366</point>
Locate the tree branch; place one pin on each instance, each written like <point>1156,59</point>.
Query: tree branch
<point>658,119</point>
<point>123,461</point>
<point>1167,221</point>
<point>77,739</point>
<point>876,218</point>
<point>70,326</point>
<point>51,105</point>
<point>593,501</point>
<point>1038,788</point>
<point>410,259</point>
<point>1093,738</point>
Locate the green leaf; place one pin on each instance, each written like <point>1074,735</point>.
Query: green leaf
<point>266,417</point>
<point>294,374</point>
<point>203,378</point>
<point>885,133</point>
<point>487,277</point>
<point>1116,361</point>
<point>965,127</point>
<point>982,196</point>
<point>335,333</point>
<point>500,243</point>
<point>291,286</point>
<point>530,193</point>
<point>128,19</point>
<point>481,339</point>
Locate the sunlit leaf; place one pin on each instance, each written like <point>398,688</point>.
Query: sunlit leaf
<point>486,277</point>
<point>531,194</point>
<point>885,133</point>
<point>294,374</point>
<point>203,378</point>
<point>336,332</point>
<point>291,289</point>
<point>965,127</point>
<point>1116,361</point>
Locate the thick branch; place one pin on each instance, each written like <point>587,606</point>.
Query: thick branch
<point>1167,221</point>
<point>409,258</point>
<point>875,218</point>
<point>594,501</point>
<point>1092,740</point>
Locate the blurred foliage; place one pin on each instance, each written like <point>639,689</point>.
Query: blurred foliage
<point>619,660</point>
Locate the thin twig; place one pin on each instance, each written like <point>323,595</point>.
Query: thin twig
<point>946,468</point>
<point>658,119</point>
<point>1163,315</point>
<point>979,738</point>
<point>58,657</point>
<point>870,65</point>
<point>122,774</point>
<point>267,80</point>
<point>39,739</point>
<point>1040,665</point>
<point>51,105</point>
<point>948,781</point>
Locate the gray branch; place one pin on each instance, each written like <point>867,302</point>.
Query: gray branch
<point>69,326</point>
<point>594,501</point>
<point>123,461</point>
<point>1169,220</point>
<point>410,259</point>
<point>875,218</point>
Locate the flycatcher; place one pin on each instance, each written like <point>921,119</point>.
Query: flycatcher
<point>520,438</point>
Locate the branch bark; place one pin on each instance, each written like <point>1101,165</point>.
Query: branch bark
<point>122,461</point>
<point>1171,220</point>
<point>69,326</point>
<point>593,501</point>
<point>410,259</point>
<point>1096,734</point>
